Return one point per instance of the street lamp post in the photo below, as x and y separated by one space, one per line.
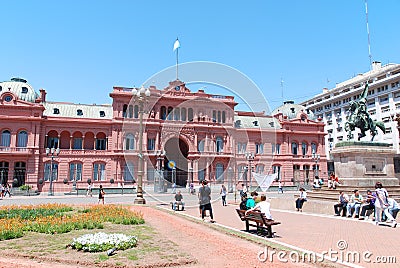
140 96
191 174
160 178
250 158
52 153
316 158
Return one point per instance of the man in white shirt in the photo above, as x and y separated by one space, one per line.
264 207
355 202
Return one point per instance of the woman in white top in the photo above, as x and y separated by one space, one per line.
223 195
264 207
302 198
382 204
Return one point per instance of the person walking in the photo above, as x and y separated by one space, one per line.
101 195
280 187
89 190
7 190
205 200
223 195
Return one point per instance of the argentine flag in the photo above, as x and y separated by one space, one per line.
176 44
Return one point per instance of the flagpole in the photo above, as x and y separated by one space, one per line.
176 47
177 63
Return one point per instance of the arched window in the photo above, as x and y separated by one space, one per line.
259 148
50 173
169 116
219 116
201 174
124 109
241 173
219 144
313 148
219 172
101 141
294 148
22 139
183 114
223 117
5 138
75 171
277 169
136 111
130 111
304 148
200 146
214 116
190 115
177 114
163 113
260 169
99 172
278 148
52 142
128 172
129 142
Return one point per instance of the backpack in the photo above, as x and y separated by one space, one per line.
242 204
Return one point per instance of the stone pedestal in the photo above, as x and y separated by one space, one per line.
364 163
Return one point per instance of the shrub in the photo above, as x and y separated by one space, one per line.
25 187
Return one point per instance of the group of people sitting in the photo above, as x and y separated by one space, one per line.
261 204
377 203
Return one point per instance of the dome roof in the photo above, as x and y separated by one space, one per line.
291 110
20 88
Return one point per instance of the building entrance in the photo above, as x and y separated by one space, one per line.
176 152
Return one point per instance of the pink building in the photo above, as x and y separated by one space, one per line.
190 135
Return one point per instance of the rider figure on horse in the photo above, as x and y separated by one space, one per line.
360 118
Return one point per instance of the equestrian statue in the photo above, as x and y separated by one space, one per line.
360 118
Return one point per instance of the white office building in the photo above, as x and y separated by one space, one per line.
383 100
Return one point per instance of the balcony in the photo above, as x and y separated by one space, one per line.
83 152
16 150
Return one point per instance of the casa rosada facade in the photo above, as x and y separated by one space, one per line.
190 136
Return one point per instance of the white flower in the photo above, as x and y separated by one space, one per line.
102 241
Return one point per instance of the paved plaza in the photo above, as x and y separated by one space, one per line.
305 231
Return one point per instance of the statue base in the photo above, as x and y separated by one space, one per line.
360 163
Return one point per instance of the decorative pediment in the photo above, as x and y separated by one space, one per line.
177 87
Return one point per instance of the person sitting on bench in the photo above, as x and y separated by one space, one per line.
178 201
264 207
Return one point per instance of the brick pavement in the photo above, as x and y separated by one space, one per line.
320 233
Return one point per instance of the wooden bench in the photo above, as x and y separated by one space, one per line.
264 225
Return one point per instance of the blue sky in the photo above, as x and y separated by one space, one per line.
79 50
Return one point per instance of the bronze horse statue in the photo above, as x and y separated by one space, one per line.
360 118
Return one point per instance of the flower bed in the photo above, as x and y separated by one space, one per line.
102 242
56 218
